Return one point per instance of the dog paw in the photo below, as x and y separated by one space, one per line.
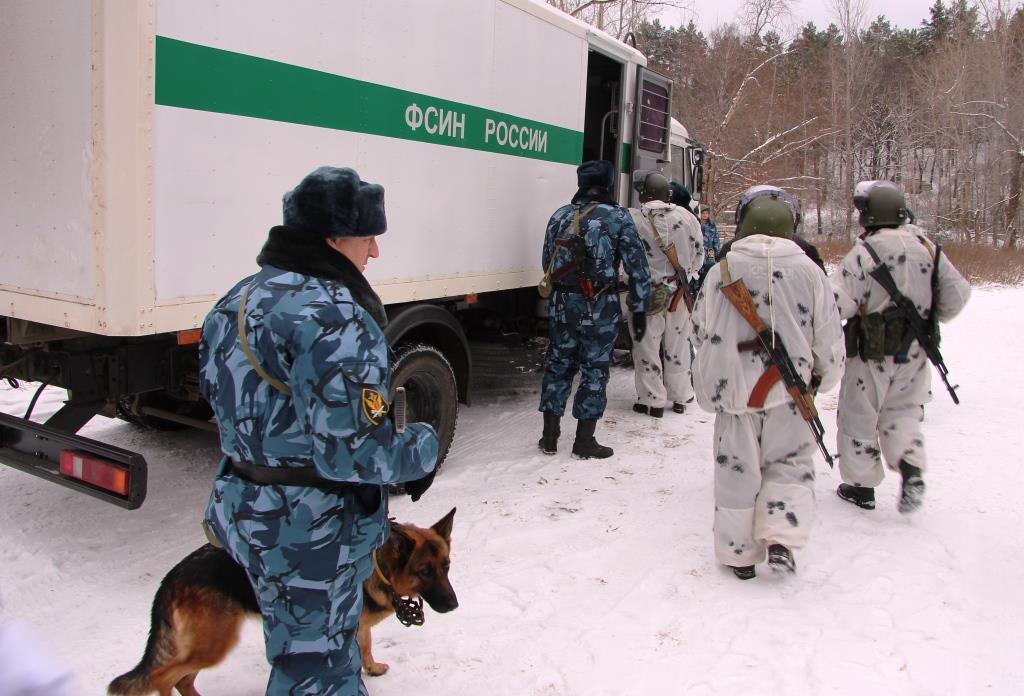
376 669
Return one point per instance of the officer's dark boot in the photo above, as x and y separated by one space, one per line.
586 446
912 489
548 442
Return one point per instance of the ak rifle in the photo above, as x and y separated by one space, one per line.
780 365
926 331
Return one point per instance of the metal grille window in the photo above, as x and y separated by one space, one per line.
654 105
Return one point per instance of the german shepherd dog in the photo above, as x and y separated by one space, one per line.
199 607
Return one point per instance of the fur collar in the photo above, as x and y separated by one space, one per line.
595 194
294 249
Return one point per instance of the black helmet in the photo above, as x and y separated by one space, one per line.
767 210
680 194
651 185
881 204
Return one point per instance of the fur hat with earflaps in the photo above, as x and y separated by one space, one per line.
595 173
334 202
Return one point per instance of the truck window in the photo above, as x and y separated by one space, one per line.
654 105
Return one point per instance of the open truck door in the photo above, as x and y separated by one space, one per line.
653 120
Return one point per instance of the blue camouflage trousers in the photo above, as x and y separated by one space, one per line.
583 347
307 578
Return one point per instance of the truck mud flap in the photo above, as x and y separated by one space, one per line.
38 450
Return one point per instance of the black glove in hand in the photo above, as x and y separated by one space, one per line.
639 326
418 487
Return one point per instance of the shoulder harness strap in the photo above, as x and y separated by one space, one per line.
726 276
243 339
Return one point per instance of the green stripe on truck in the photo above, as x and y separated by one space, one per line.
192 76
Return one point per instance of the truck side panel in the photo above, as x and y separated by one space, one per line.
45 187
461 218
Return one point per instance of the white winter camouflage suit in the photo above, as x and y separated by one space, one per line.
764 457
660 382
881 403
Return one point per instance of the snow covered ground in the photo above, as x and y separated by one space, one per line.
597 577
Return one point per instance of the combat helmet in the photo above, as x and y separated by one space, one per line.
767 210
651 185
881 204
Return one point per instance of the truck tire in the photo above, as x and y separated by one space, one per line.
430 390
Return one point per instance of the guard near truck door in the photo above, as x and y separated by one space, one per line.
585 243
888 379
295 365
675 252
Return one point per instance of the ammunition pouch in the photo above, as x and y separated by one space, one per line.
661 297
878 335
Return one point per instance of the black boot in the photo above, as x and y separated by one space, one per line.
780 559
548 442
744 572
652 411
861 496
586 446
912 489
681 407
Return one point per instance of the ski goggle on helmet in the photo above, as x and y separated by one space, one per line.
755 192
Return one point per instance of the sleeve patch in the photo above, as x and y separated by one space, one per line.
374 405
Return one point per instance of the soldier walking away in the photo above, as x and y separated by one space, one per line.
585 244
763 450
888 380
675 252
295 364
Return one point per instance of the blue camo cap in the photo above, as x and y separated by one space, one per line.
595 173
335 202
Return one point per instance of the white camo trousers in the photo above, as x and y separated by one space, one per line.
881 406
764 483
660 382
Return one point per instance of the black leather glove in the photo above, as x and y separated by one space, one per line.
639 326
418 487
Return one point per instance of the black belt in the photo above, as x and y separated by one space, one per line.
365 496
568 288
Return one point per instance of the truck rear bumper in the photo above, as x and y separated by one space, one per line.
36 449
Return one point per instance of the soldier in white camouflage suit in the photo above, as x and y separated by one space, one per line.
888 377
295 365
763 449
661 359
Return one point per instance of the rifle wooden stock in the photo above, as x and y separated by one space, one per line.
739 296
681 294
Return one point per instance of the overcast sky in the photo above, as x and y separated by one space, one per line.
711 13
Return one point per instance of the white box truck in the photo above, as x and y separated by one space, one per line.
146 147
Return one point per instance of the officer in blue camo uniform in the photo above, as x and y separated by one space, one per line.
295 364
585 243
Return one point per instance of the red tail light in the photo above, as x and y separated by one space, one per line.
95 470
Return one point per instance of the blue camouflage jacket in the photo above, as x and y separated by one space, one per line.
610 239
311 335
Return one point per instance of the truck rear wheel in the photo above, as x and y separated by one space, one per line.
430 390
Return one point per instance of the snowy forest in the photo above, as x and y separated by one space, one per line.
937 108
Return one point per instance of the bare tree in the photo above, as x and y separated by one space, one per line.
617 17
757 15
